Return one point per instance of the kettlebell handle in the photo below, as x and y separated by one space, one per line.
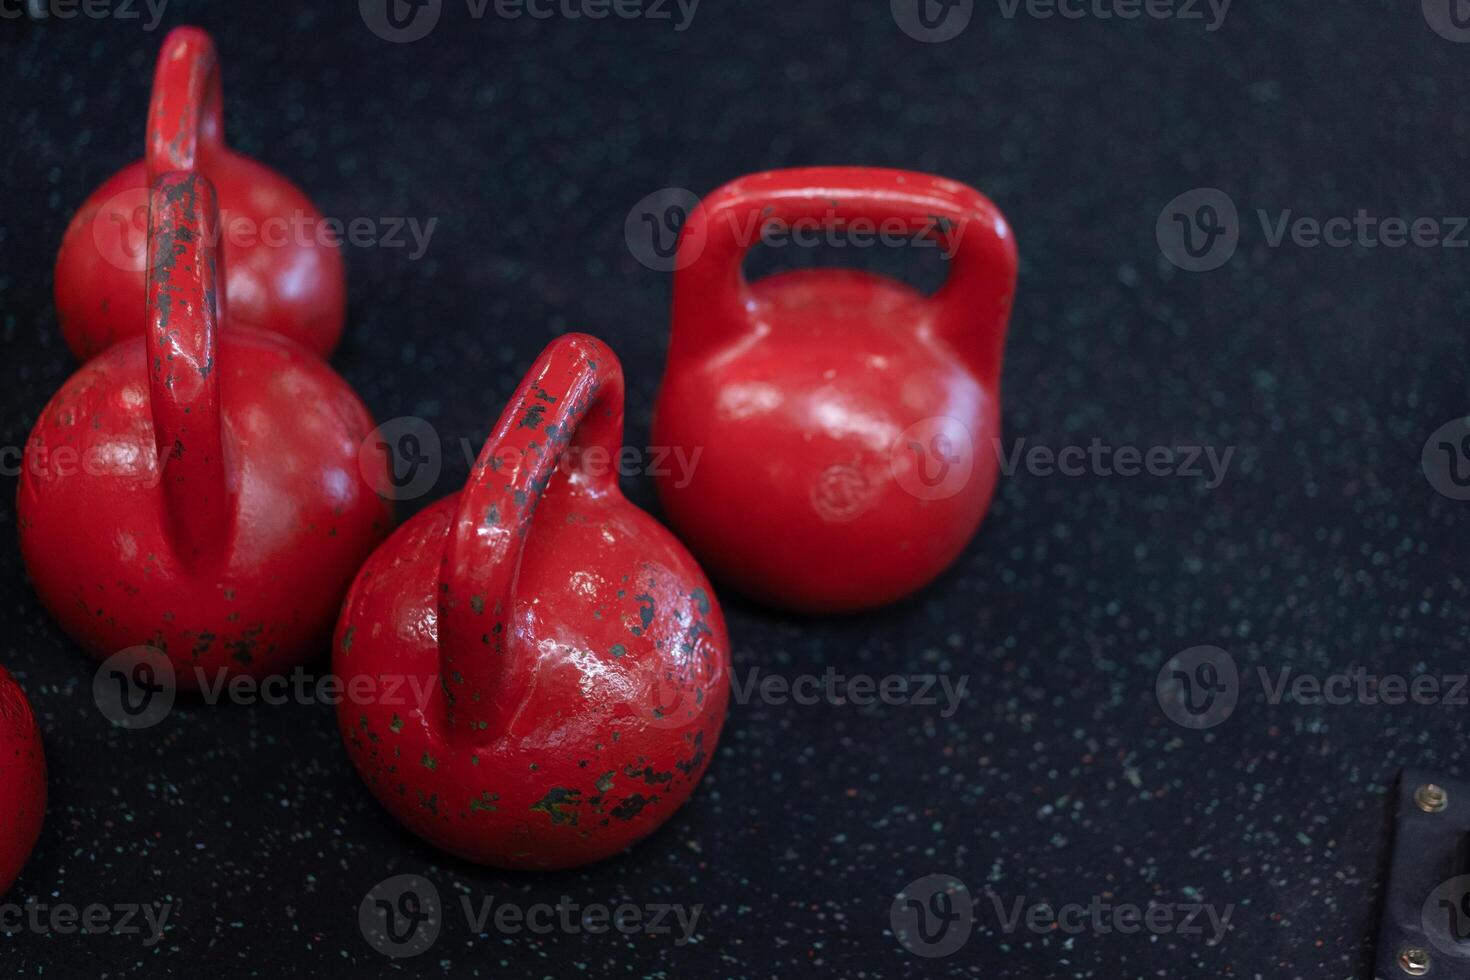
183 374
185 112
572 398
713 300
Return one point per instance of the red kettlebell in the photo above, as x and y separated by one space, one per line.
198 491
22 780
535 694
283 267
843 421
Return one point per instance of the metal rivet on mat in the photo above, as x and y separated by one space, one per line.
1431 798
1414 960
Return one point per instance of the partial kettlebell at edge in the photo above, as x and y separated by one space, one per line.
283 270
197 490
844 420
559 660
22 780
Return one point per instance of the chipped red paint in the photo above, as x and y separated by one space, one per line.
198 491
278 279
574 670
844 421
22 780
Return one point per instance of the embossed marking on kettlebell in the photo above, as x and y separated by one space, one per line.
842 492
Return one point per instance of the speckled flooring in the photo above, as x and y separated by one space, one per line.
1059 778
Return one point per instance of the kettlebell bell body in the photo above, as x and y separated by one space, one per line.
561 681
22 780
843 421
195 490
283 270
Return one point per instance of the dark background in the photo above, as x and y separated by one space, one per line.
1059 778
